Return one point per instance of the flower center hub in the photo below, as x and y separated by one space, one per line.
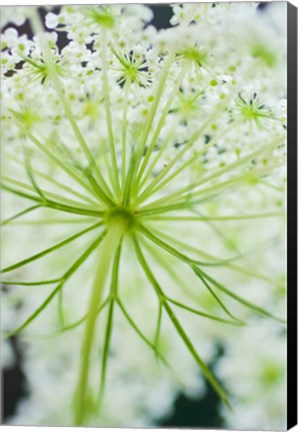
121 216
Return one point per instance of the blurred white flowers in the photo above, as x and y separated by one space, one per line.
143 226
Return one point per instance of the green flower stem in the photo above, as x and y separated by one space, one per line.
215 296
36 312
44 193
53 181
107 104
179 155
55 221
240 299
204 314
106 254
178 254
109 325
205 179
206 255
161 122
157 181
28 283
59 287
159 153
143 139
98 190
158 326
81 320
151 345
204 277
155 103
196 135
216 218
56 159
60 308
271 186
171 271
64 187
37 27
138 331
53 204
124 130
236 320
188 202
71 209
80 138
23 212
50 249
32 179
148 212
208 374
129 178
237 181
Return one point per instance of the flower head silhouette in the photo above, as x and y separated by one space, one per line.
148 169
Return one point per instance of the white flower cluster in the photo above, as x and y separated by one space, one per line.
143 222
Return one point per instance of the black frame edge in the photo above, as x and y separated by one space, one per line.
292 215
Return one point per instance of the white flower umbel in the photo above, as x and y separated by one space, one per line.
143 223
254 372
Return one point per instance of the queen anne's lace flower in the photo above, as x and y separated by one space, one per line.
153 165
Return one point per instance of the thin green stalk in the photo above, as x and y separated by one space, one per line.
129 178
60 308
233 182
55 221
70 209
215 296
60 285
147 128
175 252
158 326
271 186
157 181
23 212
45 194
161 122
53 181
142 336
206 371
106 254
147 192
109 325
107 104
37 26
204 276
159 153
124 130
204 314
229 263
32 179
51 155
216 218
240 299
148 212
155 103
81 320
36 312
228 244
192 265
53 204
50 249
100 193
33 283
205 179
